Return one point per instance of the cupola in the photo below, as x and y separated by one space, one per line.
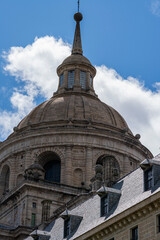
76 73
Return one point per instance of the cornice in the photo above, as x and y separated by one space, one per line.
121 220
113 135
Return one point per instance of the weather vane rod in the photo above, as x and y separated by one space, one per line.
78 5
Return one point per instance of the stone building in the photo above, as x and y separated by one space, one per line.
129 210
50 157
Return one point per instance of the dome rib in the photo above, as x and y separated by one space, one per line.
87 110
45 109
75 107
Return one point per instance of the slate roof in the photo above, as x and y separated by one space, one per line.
132 193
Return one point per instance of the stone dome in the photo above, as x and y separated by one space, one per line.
52 154
76 59
74 108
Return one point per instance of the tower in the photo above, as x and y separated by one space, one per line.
51 155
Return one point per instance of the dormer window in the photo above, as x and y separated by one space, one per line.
109 198
71 222
61 80
148 179
104 205
83 79
67 227
70 79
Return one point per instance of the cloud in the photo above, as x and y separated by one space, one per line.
36 64
138 105
155 7
35 67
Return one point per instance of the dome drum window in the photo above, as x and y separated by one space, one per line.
52 166
52 171
83 77
111 169
71 79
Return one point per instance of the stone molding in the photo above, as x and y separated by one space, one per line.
123 219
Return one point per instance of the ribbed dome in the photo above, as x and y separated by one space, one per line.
76 59
74 107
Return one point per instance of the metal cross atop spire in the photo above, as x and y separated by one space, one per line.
78 5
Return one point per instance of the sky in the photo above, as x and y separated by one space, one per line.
121 38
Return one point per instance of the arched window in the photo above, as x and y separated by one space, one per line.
111 169
4 180
52 166
70 79
52 171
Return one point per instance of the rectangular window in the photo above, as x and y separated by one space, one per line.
134 233
34 205
70 79
67 227
61 80
158 224
148 179
104 205
83 79
33 220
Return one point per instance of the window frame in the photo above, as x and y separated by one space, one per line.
33 220
34 205
83 79
53 170
71 80
148 179
91 80
61 79
134 235
104 205
158 223
67 227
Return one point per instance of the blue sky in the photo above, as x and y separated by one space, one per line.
122 35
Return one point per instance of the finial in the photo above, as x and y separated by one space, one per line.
78 17
77 45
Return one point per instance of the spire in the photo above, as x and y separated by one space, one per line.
77 45
76 73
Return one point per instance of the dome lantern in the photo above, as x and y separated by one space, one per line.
76 73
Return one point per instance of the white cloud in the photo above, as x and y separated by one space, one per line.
139 106
35 65
155 7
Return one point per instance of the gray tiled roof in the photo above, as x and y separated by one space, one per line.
132 193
